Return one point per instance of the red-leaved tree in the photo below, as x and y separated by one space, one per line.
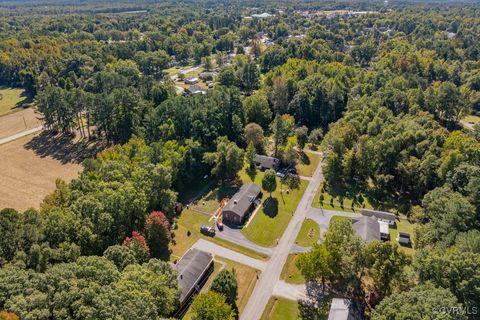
157 230
138 245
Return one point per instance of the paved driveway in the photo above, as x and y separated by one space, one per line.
217 250
235 236
290 291
323 216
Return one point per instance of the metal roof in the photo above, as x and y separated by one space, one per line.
190 269
242 200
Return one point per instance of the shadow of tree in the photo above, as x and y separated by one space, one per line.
252 173
304 158
63 148
270 207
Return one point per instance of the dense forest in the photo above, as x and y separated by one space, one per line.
382 93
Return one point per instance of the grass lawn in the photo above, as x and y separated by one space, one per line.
281 309
246 280
402 225
472 119
273 217
333 203
340 218
11 98
191 221
308 163
309 233
290 272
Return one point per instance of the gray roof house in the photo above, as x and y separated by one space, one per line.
380 215
266 162
193 270
242 204
343 309
366 228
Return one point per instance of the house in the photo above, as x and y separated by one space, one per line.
366 228
262 15
343 309
193 269
404 238
191 80
242 203
266 162
194 90
380 216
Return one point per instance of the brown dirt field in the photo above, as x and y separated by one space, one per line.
29 167
14 122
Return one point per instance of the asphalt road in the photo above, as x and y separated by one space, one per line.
271 275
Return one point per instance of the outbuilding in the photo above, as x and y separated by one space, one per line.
242 203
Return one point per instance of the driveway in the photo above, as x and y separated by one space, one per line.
323 216
217 250
271 275
290 291
235 236
20 135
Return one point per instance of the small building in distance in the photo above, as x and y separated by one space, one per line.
266 162
192 80
193 269
380 216
366 228
262 15
194 90
241 204
343 309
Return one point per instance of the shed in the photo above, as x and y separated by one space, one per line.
193 270
242 203
191 80
380 216
194 90
343 309
266 162
366 228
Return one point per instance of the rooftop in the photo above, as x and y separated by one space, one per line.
379 214
190 269
366 228
241 201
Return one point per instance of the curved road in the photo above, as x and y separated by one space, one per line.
271 274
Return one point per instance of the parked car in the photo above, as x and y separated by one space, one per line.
281 174
220 225
208 231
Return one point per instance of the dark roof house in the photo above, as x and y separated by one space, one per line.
193 270
242 204
366 228
380 215
266 162
194 90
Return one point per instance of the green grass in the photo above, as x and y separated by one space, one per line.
402 225
281 309
192 221
12 98
308 163
290 272
273 217
472 119
340 218
246 280
309 233
336 204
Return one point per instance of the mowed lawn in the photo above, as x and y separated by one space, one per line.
309 233
290 272
11 98
281 309
27 177
269 223
326 201
187 232
246 280
308 163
